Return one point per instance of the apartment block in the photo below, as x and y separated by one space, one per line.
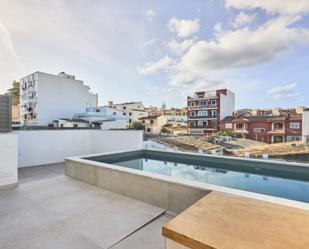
267 129
207 108
45 97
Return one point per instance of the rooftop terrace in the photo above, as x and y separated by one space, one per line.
49 210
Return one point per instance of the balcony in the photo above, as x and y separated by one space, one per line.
202 117
202 107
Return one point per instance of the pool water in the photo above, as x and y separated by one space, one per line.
254 180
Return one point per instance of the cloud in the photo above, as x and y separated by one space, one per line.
149 42
183 28
245 47
290 7
153 67
150 14
6 41
242 19
180 47
288 91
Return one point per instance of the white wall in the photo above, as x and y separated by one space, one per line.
227 104
305 125
115 124
38 147
113 140
8 159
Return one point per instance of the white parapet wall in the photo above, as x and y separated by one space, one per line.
37 147
305 126
8 160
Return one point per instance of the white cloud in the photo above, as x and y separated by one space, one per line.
149 42
271 6
242 19
180 47
283 92
245 47
153 67
150 14
6 41
183 28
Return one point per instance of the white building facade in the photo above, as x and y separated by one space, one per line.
45 97
305 125
133 111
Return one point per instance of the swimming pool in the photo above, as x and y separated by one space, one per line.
278 179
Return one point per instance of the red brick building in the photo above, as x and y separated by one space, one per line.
267 129
207 108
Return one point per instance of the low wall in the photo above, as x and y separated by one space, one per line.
36 147
166 194
8 160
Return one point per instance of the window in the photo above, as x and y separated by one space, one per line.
213 113
124 107
148 130
97 110
293 138
259 130
130 113
192 114
143 121
192 104
130 120
124 114
200 123
213 102
295 125
114 113
151 121
240 126
202 113
228 126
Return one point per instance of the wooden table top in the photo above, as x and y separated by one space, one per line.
224 221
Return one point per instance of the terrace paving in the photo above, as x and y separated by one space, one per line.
59 212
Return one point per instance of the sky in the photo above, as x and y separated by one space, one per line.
163 50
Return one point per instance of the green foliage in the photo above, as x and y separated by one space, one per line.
164 130
138 126
14 92
223 133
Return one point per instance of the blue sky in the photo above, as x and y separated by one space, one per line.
157 51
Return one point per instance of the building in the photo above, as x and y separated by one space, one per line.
305 126
5 113
132 110
206 109
45 97
15 113
153 124
267 129
103 116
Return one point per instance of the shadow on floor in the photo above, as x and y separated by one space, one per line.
35 173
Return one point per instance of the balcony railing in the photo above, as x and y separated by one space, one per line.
205 117
202 107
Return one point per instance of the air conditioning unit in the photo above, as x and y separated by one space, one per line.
5 113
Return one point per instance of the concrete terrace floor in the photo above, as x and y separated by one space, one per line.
49 210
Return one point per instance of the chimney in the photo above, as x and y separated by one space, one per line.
110 103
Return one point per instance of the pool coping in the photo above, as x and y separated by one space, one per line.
195 184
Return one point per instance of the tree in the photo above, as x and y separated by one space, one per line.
164 130
14 92
138 126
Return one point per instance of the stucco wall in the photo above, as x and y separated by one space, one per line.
8 159
38 147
